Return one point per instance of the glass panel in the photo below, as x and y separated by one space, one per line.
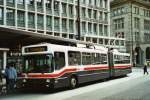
31 5
40 22
49 23
74 58
20 4
59 60
1 16
10 17
31 20
10 3
38 64
21 18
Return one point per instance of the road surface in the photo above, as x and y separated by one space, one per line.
135 86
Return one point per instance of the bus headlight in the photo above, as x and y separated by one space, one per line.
24 80
48 80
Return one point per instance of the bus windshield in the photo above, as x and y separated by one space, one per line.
38 64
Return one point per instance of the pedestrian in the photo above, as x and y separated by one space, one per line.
11 76
145 69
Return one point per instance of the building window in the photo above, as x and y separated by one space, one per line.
84 27
40 22
136 10
1 16
21 2
101 30
137 36
74 58
147 25
56 24
95 29
31 20
89 28
10 1
59 60
10 17
49 4
21 18
31 5
101 3
70 10
118 23
95 14
56 5
30 2
64 9
49 23
64 25
105 3
106 30
105 17
100 16
83 13
136 23
89 13
71 26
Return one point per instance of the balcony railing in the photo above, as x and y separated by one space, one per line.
71 1
31 7
31 25
40 9
1 22
20 6
40 26
21 24
71 30
71 15
10 22
64 14
49 28
1 2
56 12
64 29
10 4
64 0
48 11
56 28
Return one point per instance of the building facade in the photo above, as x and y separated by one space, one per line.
58 18
130 19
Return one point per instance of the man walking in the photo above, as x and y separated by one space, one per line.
145 69
11 76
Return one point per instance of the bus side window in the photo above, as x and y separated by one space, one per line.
74 58
59 60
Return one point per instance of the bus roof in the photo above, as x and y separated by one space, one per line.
60 48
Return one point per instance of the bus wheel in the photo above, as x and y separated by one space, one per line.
73 82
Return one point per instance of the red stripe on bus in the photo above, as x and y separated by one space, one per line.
71 70
96 68
122 67
52 75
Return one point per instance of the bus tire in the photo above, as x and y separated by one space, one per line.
73 82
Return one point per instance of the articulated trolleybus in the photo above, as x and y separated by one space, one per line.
54 66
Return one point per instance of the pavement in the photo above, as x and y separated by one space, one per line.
135 86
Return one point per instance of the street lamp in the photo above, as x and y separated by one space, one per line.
78 20
132 49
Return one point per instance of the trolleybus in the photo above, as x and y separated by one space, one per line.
56 66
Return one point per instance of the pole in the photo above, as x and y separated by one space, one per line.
78 20
132 51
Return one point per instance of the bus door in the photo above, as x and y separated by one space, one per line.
111 64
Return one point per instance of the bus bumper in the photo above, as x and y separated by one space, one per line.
34 83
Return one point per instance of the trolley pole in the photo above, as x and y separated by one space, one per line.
78 20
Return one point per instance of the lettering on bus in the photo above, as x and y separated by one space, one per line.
36 49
